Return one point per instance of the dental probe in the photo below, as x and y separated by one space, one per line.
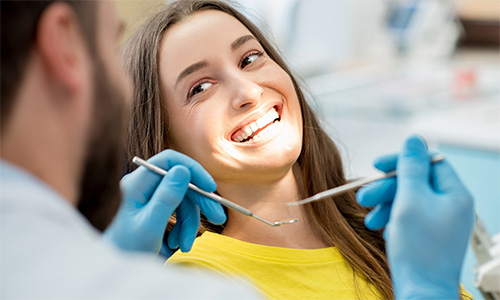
141 162
352 185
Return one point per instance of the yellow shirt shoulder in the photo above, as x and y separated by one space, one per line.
280 273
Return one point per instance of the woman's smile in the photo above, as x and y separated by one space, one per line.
250 132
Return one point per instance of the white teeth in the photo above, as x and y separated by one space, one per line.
259 135
262 121
254 127
275 114
248 130
242 136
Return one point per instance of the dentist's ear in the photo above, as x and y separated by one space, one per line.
61 47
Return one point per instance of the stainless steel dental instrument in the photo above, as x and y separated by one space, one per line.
352 185
141 162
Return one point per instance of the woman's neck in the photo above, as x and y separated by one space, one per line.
268 201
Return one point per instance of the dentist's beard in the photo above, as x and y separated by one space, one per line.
100 195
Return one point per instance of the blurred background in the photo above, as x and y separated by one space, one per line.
379 70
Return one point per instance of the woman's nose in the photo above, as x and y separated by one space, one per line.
247 93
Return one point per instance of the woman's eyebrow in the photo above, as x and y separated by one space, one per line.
202 64
240 41
191 69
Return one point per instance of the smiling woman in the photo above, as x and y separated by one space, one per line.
209 84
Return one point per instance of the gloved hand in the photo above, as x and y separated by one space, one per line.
428 215
150 199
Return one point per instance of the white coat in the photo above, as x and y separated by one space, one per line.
48 250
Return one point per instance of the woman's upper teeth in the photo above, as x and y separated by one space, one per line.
250 129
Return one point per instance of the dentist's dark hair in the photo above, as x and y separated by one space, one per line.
19 22
339 220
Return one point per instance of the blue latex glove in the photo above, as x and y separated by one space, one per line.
428 215
150 199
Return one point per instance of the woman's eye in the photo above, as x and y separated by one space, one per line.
199 88
250 59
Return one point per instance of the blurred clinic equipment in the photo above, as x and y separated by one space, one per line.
487 252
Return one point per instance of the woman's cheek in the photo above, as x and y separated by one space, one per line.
201 128
281 81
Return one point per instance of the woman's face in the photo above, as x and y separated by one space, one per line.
230 106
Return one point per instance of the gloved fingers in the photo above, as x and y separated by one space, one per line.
165 251
379 216
444 178
212 210
378 192
386 163
139 185
413 164
173 236
385 233
167 197
446 182
189 216
169 158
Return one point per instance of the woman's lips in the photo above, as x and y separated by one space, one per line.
247 132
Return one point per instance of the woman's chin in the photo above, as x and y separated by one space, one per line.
259 170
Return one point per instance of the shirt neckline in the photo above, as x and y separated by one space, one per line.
273 253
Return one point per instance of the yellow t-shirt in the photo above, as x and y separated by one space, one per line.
280 273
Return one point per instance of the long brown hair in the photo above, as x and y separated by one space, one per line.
340 220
